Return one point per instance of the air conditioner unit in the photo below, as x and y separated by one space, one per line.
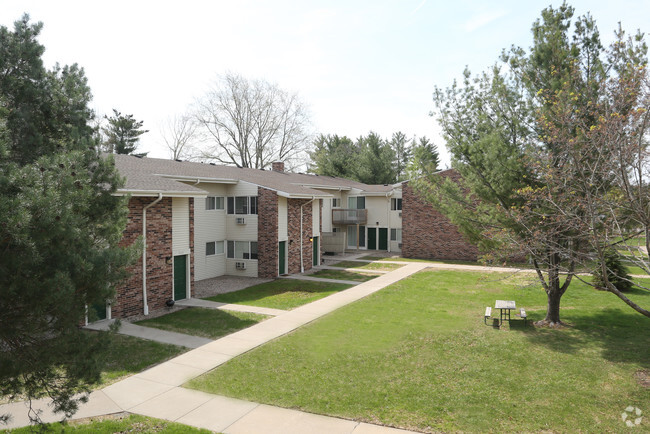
240 265
400 213
241 221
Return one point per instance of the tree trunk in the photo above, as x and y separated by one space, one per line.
553 308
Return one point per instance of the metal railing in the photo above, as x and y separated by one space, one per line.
349 216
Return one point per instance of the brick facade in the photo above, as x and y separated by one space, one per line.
293 256
428 234
129 300
267 233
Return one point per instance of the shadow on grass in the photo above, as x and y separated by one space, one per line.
208 323
620 336
281 293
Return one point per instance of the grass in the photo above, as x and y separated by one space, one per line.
367 266
281 293
344 275
207 323
417 355
129 355
124 424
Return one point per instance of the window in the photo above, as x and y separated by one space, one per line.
242 249
396 235
213 202
336 203
396 204
214 248
335 229
356 202
242 205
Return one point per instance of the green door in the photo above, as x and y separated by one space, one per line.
383 238
99 311
316 251
372 238
282 253
180 277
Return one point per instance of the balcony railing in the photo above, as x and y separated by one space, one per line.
349 216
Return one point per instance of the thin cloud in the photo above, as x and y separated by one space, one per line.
419 6
483 19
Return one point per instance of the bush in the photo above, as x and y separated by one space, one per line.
617 272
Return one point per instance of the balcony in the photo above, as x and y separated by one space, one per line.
349 216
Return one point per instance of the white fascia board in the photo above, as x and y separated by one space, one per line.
325 187
378 193
136 193
302 196
199 179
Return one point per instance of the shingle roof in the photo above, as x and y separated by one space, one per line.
149 175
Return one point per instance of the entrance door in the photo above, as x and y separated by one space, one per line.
282 258
383 238
180 277
99 310
316 251
372 238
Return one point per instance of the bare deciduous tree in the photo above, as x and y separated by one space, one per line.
179 134
251 123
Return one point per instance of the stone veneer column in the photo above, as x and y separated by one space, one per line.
267 233
426 233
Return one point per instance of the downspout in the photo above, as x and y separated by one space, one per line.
388 195
302 266
144 252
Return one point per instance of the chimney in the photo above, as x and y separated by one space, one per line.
277 166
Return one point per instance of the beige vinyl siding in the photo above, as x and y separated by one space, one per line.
283 219
241 232
209 225
327 214
180 226
395 220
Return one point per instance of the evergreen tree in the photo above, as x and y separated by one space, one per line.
375 160
60 225
334 156
424 158
123 134
402 152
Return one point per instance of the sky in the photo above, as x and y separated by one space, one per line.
358 65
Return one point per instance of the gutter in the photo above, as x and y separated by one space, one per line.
144 252
302 265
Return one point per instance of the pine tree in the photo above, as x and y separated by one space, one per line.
123 134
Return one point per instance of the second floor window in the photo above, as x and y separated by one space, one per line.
396 204
242 205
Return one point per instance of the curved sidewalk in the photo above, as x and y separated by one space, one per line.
156 392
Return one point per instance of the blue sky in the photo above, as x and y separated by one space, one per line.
358 65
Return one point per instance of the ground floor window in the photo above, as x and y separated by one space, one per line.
242 249
214 248
396 235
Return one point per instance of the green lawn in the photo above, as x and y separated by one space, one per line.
132 423
417 355
129 355
207 323
344 275
281 293
367 266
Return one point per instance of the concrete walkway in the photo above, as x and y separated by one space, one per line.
152 334
156 392
352 270
319 279
207 304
